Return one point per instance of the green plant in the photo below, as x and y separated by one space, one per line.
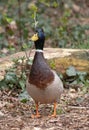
60 111
69 34
15 76
52 64
58 25
74 77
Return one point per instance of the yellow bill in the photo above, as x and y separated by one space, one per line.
35 37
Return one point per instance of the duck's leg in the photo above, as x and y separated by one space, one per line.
54 113
37 113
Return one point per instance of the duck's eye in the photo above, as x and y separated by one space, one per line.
35 37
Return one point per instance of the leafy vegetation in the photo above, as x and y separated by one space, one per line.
16 28
56 17
15 77
76 78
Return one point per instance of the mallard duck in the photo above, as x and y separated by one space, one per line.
43 83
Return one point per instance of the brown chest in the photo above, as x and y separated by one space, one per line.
41 74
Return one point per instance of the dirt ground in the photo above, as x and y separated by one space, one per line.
72 113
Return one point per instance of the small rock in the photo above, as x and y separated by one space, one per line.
15 129
1 114
53 121
31 128
72 90
37 128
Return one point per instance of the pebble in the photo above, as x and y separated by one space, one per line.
1 114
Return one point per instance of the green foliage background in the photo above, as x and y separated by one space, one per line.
61 23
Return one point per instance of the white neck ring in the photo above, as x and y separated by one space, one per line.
38 50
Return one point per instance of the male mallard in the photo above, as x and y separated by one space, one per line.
43 84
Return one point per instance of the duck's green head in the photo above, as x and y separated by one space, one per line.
39 39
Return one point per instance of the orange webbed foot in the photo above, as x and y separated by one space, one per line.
36 116
54 113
